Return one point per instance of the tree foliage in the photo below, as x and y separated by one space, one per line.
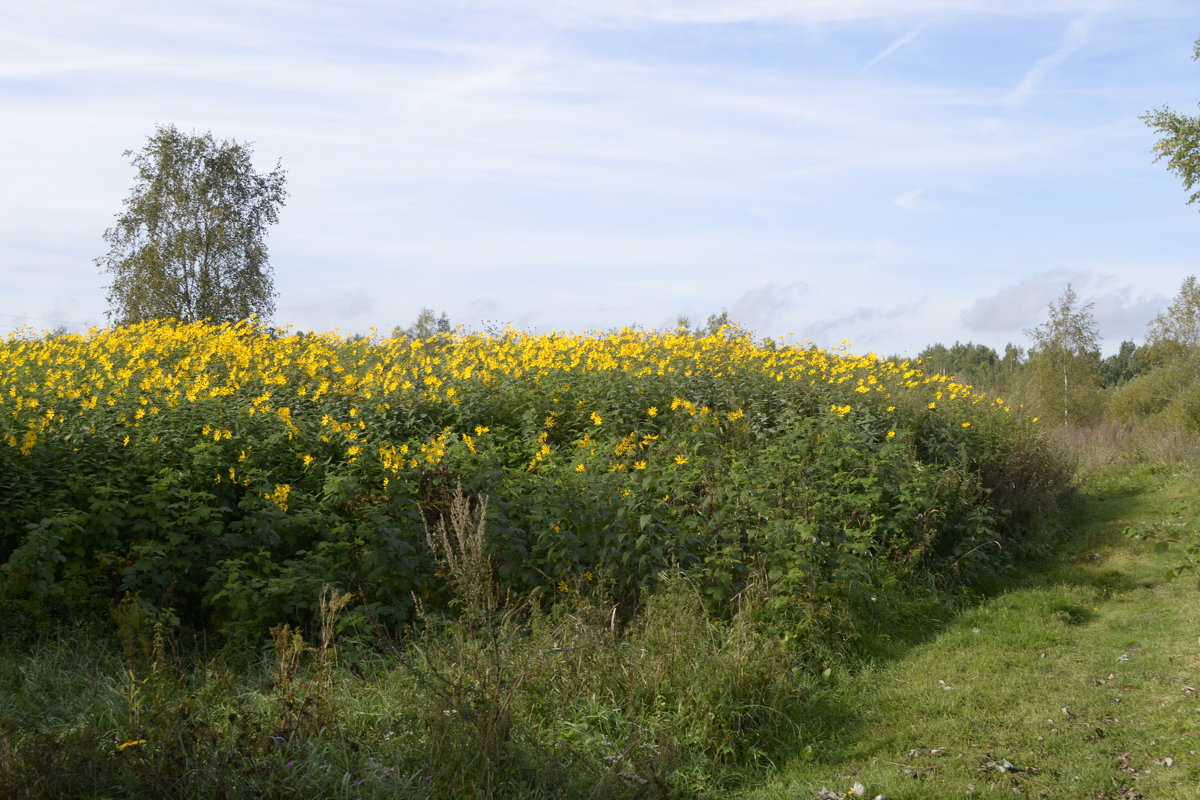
970 362
1179 142
1122 366
1164 391
427 324
1065 358
1178 327
714 325
190 243
1168 386
976 364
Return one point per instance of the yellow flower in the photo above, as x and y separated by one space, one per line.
652 410
580 467
966 424
279 496
680 460
596 418
890 434
933 405
639 465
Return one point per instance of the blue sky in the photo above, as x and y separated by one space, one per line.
888 172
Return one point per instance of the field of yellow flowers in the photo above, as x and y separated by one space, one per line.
226 472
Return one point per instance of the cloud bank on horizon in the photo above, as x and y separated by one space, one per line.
888 172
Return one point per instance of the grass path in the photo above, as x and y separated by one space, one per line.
1083 682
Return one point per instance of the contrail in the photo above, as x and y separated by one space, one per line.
896 45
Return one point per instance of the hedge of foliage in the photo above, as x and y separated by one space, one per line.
225 473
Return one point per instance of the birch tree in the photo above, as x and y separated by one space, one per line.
1065 357
190 242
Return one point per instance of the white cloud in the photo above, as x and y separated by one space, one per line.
1019 305
1124 313
1121 311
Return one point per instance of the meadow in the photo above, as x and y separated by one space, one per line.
242 561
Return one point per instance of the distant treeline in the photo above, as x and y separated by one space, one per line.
1064 376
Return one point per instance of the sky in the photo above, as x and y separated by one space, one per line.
887 173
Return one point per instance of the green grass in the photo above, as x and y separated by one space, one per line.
1084 677
558 705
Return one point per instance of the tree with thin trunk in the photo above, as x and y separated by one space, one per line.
190 243
1065 357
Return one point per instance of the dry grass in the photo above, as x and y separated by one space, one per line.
460 545
1113 443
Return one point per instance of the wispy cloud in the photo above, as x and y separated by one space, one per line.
1075 37
761 308
908 200
586 163
811 12
875 326
895 45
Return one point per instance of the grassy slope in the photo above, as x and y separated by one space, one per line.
1085 678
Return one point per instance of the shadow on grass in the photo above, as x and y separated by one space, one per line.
1090 524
